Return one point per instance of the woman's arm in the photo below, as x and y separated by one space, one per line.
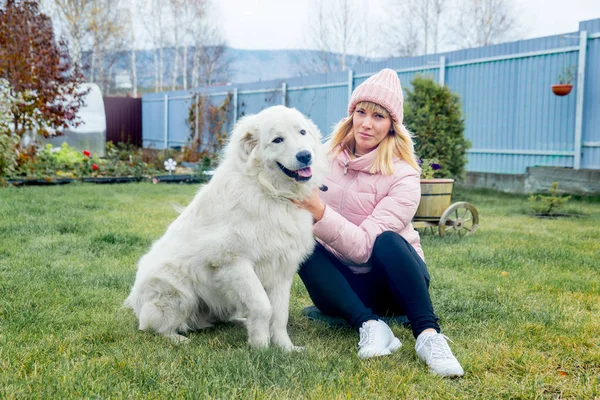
392 213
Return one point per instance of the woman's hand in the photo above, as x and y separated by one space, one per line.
313 204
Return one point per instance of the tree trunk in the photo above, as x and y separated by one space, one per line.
184 66
133 73
195 66
156 82
175 66
93 65
160 67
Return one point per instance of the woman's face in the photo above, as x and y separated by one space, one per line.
370 128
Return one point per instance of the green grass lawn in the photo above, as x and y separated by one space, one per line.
520 299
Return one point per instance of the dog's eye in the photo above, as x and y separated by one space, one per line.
303 132
278 140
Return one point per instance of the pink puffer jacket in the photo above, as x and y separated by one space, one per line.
361 205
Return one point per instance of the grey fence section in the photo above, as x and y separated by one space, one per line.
513 120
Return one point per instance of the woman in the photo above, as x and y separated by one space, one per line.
368 260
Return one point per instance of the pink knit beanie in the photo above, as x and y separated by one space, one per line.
382 88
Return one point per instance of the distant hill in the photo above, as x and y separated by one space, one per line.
262 65
245 66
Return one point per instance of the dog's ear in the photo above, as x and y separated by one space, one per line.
246 134
248 142
315 129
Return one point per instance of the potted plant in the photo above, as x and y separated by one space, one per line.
436 193
564 85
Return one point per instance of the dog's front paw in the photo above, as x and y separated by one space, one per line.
288 346
297 349
258 343
177 339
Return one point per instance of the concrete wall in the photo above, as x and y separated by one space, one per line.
538 180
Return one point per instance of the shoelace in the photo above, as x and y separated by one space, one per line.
438 346
365 336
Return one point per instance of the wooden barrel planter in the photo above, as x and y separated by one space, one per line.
436 195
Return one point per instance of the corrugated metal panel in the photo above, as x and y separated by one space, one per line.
591 158
324 106
508 105
179 132
591 112
512 118
153 112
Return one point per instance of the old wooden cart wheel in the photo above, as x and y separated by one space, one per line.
460 219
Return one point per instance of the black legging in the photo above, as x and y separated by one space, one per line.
396 285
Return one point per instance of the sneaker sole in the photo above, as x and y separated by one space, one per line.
395 345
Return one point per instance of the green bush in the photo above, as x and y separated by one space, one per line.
49 162
64 161
8 154
548 205
433 113
124 159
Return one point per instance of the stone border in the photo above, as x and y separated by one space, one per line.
106 180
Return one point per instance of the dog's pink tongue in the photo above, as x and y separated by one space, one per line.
305 172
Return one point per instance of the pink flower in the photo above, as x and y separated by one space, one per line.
86 153
95 167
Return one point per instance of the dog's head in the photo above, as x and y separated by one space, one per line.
282 148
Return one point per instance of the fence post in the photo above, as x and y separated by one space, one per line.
442 79
235 105
583 37
350 84
166 127
284 93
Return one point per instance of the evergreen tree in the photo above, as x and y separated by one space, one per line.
433 113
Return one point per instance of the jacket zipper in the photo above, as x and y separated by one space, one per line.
345 191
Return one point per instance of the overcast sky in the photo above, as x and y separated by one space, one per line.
282 24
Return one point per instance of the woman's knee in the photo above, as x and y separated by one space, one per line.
389 241
314 262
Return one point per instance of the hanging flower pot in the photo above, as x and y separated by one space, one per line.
564 85
562 89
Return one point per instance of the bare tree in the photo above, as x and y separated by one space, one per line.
196 14
485 22
213 63
177 10
336 31
209 59
415 26
107 24
73 14
96 26
132 21
156 28
189 17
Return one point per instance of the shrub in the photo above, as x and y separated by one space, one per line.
548 205
433 113
122 160
8 155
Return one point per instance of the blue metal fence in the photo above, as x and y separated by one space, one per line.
512 118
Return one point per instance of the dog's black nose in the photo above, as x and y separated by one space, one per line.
304 157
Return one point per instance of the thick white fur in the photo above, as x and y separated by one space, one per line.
235 249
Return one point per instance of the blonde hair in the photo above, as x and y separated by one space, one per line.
398 143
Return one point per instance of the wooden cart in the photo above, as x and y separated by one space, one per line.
436 213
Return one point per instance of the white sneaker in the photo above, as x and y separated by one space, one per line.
433 348
376 339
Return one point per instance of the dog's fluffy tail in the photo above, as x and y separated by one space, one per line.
178 208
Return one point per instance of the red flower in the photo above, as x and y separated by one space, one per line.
86 153
95 167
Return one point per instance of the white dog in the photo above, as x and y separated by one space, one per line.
236 248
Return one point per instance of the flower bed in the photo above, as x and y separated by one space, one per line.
124 163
